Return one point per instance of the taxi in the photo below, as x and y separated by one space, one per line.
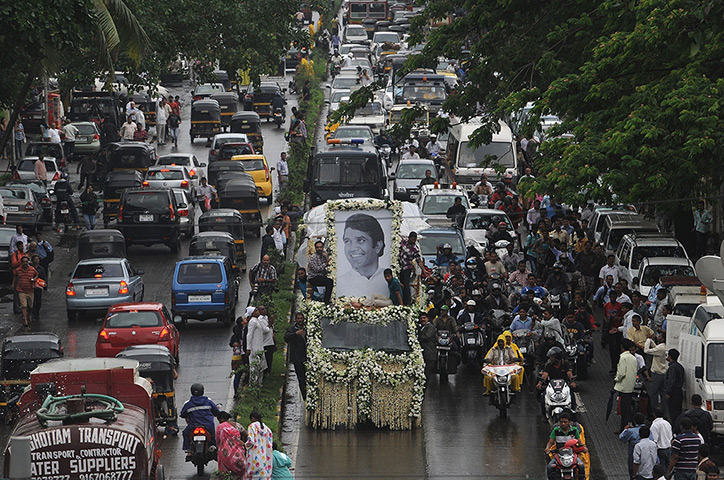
258 168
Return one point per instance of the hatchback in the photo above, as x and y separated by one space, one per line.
171 176
26 170
48 149
188 160
148 216
408 176
205 90
128 324
204 287
355 34
88 140
99 283
22 207
258 168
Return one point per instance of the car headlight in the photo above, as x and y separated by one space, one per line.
400 189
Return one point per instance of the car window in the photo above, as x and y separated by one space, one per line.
173 160
408 171
14 193
228 151
251 165
164 175
5 237
152 201
438 204
190 273
98 270
86 129
482 221
224 140
639 253
430 243
654 272
134 319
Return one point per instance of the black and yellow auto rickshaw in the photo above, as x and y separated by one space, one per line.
20 355
128 156
215 168
222 77
101 243
242 195
205 119
215 243
157 365
114 185
229 104
223 177
230 221
250 124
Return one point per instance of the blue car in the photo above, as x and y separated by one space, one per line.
204 287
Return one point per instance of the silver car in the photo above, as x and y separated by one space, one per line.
26 170
88 140
186 210
22 207
196 169
170 176
99 283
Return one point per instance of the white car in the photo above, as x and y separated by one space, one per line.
196 169
355 34
382 37
336 98
26 170
479 221
653 268
171 176
372 115
434 203
222 138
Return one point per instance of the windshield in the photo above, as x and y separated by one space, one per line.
351 132
422 93
352 336
653 272
164 175
438 204
18 194
430 241
344 82
409 171
482 221
396 117
29 165
174 160
151 201
382 37
209 88
218 142
495 153
98 270
685 309
369 109
338 96
47 149
251 165
230 150
86 128
346 171
715 362
134 319
639 253
123 158
189 273
5 236
356 30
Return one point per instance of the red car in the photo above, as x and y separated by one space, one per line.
142 323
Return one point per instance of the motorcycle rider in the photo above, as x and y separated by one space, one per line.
538 292
433 146
278 102
584 456
64 192
469 314
501 233
337 60
383 138
500 354
557 284
560 435
198 411
498 195
577 332
556 368
445 256
496 299
551 324
549 341
446 322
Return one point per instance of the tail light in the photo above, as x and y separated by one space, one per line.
96 136
29 206
164 334
56 177
70 290
123 288
183 212
200 431
45 201
184 184
192 173
120 214
266 170
145 184
198 97
103 336
171 213
212 151
16 175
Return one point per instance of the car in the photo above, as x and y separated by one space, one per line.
26 170
41 192
231 149
204 287
205 90
653 268
407 177
478 222
336 98
22 207
187 160
186 210
434 202
355 34
171 176
346 48
141 323
48 149
634 247
598 221
386 37
6 234
343 82
222 138
88 140
372 115
293 57
99 283
258 168
354 131
148 216
432 239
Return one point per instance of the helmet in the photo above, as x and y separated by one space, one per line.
500 185
555 352
432 135
537 301
446 245
502 224
496 286
508 177
197 389
476 293
471 262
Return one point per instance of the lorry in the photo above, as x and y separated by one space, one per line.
85 419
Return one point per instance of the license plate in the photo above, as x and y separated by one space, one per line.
10 208
145 218
85 140
96 292
523 350
65 211
199 298
199 439
471 341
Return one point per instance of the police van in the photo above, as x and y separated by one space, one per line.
346 168
427 89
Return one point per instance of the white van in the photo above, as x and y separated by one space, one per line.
468 165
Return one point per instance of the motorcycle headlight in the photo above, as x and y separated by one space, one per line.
523 350
567 460
501 379
558 397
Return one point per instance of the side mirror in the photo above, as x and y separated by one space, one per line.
327 102
699 372
329 86
140 271
202 164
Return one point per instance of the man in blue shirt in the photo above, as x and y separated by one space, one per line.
538 292
631 436
522 321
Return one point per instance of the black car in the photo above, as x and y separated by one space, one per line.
148 216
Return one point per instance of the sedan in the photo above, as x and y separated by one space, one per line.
408 176
186 210
188 160
99 283
355 131
481 222
128 324
88 140
26 170
22 207
170 176
41 192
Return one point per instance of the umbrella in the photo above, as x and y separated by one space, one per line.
609 406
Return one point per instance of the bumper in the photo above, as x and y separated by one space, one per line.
109 350
407 195
150 234
21 218
203 311
265 189
87 148
100 303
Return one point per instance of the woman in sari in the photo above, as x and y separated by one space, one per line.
230 439
259 446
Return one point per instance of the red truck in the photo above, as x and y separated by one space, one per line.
85 419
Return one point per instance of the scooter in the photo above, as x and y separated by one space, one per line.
202 450
501 248
279 117
444 355
501 376
557 397
473 343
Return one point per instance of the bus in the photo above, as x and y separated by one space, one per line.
359 10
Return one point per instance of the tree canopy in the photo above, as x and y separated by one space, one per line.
638 84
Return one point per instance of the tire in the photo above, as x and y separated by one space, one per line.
442 369
200 469
192 141
176 246
270 198
503 410
72 315
160 474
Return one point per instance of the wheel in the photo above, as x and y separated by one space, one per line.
176 246
503 408
72 314
192 139
200 469
442 369
160 474
270 198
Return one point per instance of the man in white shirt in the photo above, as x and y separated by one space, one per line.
282 170
53 135
140 118
433 146
661 434
256 330
411 153
70 131
268 337
659 365
609 269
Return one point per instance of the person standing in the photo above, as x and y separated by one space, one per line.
700 417
89 207
702 227
87 169
317 275
20 138
54 135
625 380
644 455
230 442
282 170
630 435
260 448
3 129
140 119
39 286
109 132
658 370
70 131
255 348
18 237
281 465
128 130
674 384
296 338
394 286
174 121
41 172
684 453
409 256
428 341
162 112
23 282
205 193
269 341
661 434
44 251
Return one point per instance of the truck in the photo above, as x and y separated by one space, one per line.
85 419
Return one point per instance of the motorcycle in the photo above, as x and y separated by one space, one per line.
557 397
445 360
578 356
65 219
386 154
501 248
501 376
526 342
202 449
566 463
293 87
279 117
555 300
473 343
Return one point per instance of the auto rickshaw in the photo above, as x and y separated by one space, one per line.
242 195
115 183
214 168
250 124
102 243
128 156
230 221
223 177
205 119
20 355
222 77
229 104
157 365
215 243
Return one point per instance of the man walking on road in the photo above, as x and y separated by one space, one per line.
674 384
699 416
625 380
23 280
684 453
661 434
644 455
282 170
